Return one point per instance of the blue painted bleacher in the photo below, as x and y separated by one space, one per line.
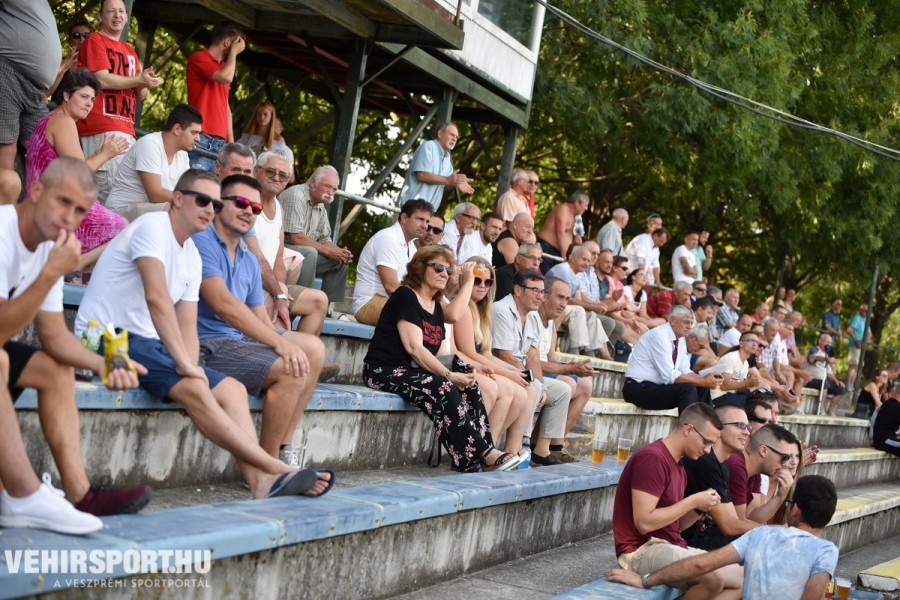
238 528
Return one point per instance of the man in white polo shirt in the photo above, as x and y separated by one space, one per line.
382 263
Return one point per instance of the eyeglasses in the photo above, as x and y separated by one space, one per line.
472 217
623 267
762 420
741 425
535 290
706 442
751 342
434 230
80 35
699 289
534 259
533 181
440 268
785 457
276 174
485 282
203 200
242 203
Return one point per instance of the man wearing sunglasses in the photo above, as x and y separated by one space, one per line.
308 231
147 281
714 529
770 450
434 233
273 171
650 501
146 177
236 334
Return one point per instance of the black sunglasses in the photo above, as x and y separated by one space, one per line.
439 268
486 282
203 200
783 456
434 230
242 203
756 419
78 35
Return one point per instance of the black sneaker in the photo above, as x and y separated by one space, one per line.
100 501
544 461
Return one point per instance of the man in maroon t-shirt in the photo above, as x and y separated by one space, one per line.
771 450
210 72
650 509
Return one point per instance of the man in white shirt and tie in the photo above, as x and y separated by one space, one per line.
659 375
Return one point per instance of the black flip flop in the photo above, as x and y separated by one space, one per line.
330 483
293 483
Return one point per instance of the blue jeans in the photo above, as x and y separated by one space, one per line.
207 143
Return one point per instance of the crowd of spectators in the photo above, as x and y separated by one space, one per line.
213 259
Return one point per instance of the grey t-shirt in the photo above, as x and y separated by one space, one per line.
30 40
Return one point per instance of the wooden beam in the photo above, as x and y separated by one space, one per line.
426 17
343 16
232 9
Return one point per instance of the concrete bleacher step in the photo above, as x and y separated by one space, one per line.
855 466
134 438
884 577
358 541
610 379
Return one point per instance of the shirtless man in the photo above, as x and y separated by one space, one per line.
556 236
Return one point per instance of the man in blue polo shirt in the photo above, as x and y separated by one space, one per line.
237 337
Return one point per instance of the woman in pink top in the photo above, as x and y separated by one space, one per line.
56 135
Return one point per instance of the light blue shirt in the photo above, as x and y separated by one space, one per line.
242 278
858 325
778 561
430 157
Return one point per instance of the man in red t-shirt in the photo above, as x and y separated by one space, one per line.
772 451
116 65
650 509
210 72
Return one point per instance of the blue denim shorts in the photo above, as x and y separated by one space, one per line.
161 375
209 143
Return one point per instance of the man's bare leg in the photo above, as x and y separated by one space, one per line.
315 353
16 473
312 305
58 413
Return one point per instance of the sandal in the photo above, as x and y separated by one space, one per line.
504 462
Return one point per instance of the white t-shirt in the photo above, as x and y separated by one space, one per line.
387 248
115 293
19 267
269 233
678 273
546 338
149 156
629 296
730 338
737 369
642 252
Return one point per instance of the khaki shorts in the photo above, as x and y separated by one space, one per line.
656 554
370 312
853 357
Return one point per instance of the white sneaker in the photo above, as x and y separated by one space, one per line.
288 456
47 508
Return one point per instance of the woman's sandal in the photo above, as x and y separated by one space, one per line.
504 462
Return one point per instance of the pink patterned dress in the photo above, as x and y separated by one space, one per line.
99 224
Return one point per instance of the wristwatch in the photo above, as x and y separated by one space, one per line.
281 297
644 581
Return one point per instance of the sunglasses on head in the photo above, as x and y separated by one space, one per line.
242 203
439 268
79 35
485 282
434 230
203 200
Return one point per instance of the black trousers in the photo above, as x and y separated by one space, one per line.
661 396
